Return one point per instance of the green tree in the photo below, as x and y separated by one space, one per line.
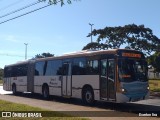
154 60
43 55
129 36
1 73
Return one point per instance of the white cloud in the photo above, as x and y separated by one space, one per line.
12 38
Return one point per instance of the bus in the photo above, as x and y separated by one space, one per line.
118 75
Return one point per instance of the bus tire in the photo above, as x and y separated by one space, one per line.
14 89
88 96
45 92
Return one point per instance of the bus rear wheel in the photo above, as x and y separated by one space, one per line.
14 89
88 96
45 92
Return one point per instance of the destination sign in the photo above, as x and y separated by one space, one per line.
134 55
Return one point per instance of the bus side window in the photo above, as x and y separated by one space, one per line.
53 67
7 72
58 67
79 66
39 69
111 69
93 67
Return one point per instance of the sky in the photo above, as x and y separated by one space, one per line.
59 30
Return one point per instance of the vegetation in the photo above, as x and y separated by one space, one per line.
43 55
9 106
154 60
1 82
1 73
129 36
154 85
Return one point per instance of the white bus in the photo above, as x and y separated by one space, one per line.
117 75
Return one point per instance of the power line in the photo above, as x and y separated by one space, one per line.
10 55
26 13
27 6
12 4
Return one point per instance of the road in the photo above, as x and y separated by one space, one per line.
113 111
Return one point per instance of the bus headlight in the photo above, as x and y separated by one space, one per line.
148 88
123 90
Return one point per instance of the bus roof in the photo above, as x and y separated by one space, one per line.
87 53
76 54
81 53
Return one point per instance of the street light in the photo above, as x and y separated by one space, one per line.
91 30
25 50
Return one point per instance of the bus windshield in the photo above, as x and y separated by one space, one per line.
132 70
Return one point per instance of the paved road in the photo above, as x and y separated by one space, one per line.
112 109
154 101
4 92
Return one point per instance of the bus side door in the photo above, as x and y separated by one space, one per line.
107 80
66 81
30 76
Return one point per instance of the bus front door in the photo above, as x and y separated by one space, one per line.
30 77
107 80
66 81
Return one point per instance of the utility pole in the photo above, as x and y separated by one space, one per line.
25 50
91 30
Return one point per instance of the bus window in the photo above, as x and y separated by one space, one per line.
79 66
39 69
54 68
92 67
111 70
50 68
21 70
7 72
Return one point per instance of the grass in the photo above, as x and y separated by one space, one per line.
154 85
14 107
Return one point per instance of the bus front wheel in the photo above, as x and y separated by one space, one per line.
88 96
45 92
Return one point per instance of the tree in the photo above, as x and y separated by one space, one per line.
1 73
43 55
57 1
154 60
129 36
95 45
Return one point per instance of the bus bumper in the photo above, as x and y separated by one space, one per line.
121 98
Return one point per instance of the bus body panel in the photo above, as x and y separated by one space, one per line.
7 84
21 83
79 81
53 82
